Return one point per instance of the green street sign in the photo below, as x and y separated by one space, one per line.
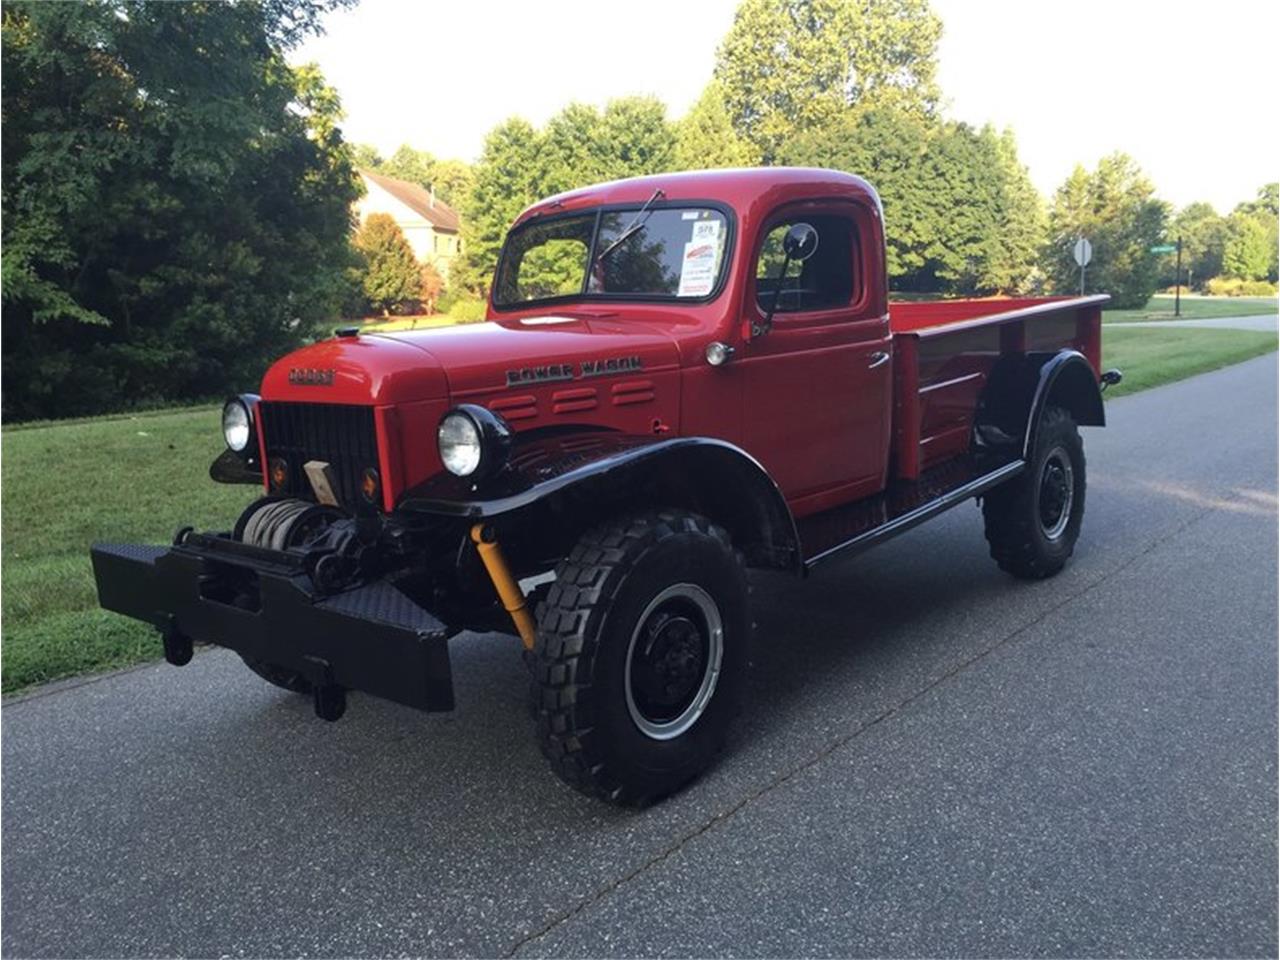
1164 248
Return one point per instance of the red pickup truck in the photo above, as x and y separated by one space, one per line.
681 377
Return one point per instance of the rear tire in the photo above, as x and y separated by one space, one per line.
641 655
1033 521
289 680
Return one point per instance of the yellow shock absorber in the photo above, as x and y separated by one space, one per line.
508 590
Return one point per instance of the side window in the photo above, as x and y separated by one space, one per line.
826 280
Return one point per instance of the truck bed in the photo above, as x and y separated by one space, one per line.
944 350
943 353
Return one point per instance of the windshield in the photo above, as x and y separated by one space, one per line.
674 252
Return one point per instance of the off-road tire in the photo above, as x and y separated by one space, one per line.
1014 527
289 680
585 636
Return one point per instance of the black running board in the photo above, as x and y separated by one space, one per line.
855 527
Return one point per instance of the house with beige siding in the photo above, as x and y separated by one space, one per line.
429 224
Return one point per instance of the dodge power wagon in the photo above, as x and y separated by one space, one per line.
680 377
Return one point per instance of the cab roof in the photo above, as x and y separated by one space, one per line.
738 188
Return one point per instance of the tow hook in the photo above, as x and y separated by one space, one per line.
330 698
178 647
331 701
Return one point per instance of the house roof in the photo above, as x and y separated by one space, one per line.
418 199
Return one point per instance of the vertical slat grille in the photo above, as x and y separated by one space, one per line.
339 434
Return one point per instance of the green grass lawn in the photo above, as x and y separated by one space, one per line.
1150 356
1160 307
66 485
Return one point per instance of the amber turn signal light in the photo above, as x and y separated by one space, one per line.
370 486
279 473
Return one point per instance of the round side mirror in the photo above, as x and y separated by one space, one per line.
800 242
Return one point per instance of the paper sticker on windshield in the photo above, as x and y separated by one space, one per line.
698 269
691 215
707 231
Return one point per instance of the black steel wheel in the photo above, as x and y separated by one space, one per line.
641 655
1033 521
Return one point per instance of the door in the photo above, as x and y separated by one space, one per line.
819 382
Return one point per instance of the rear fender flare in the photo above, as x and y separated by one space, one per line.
1067 380
1020 387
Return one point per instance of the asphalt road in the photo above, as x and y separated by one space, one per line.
936 760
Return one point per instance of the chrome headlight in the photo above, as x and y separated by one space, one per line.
238 426
473 441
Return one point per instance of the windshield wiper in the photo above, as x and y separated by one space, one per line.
636 223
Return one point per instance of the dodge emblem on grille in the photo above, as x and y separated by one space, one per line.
309 377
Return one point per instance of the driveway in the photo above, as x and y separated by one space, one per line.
935 759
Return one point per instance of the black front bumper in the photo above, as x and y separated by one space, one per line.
263 605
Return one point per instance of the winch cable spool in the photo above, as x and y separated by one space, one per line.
281 524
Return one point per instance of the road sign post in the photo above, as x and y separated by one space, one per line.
1083 252
1177 282
1177 272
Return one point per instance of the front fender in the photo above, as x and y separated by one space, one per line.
711 476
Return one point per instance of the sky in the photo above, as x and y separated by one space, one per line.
1188 89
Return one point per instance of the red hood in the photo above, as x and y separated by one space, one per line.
465 362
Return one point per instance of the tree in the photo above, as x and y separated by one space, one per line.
788 66
416 166
176 199
451 180
391 276
1014 264
431 286
705 138
1263 211
366 157
1204 237
1116 209
1247 254
633 138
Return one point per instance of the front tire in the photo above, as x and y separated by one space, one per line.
641 655
1033 521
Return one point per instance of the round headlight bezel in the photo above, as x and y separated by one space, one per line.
244 409
492 440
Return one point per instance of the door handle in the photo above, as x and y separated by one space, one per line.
877 359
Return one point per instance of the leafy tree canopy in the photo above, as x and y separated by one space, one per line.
705 138
1116 209
1249 250
788 66
176 199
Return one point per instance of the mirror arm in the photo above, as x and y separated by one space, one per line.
761 329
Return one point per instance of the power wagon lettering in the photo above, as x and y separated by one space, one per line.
564 371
